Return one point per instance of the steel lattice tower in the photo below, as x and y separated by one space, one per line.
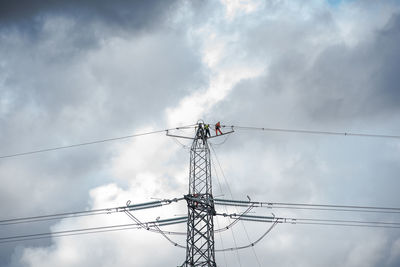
200 246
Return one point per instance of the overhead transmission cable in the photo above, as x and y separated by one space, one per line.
252 244
192 125
92 142
234 222
301 131
139 206
173 221
59 216
286 205
222 243
157 229
224 202
230 192
317 221
100 229
165 222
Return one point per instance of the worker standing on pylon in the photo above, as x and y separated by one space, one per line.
207 128
218 128
200 131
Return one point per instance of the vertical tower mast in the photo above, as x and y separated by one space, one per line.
200 249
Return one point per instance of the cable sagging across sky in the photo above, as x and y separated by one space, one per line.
99 229
316 221
91 142
139 206
301 131
306 206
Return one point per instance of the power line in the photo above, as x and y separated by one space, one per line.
245 230
316 221
189 126
173 221
230 192
99 229
91 142
50 218
69 234
139 206
307 206
63 232
59 216
224 202
222 243
312 131
252 244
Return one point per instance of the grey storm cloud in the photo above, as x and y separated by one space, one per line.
135 14
116 18
387 78
337 84
356 82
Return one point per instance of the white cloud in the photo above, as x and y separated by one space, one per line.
235 7
225 69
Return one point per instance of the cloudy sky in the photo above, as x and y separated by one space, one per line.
76 71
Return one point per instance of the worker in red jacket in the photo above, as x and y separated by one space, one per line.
218 128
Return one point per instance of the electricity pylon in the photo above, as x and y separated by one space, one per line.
200 249
200 245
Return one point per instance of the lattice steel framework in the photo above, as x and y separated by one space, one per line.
200 246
